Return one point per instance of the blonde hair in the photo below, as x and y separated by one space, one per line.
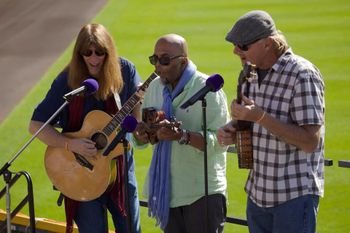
280 44
110 79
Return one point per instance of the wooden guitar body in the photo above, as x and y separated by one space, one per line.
74 178
81 178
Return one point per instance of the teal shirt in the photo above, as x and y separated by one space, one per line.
187 164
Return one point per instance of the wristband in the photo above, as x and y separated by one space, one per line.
185 138
262 117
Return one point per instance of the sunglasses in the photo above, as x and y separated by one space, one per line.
89 52
163 60
245 47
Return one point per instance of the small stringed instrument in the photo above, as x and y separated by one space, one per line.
244 128
152 117
81 178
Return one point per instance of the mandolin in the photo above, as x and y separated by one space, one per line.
153 117
244 128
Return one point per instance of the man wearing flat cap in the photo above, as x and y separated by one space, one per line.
285 105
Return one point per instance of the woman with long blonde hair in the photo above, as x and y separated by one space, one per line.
94 57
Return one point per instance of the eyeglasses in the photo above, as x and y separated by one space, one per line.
163 60
89 52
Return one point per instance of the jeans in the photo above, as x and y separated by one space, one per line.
91 217
294 216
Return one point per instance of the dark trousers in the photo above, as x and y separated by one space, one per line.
192 218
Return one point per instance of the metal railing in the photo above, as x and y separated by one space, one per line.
29 198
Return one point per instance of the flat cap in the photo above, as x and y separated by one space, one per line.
251 27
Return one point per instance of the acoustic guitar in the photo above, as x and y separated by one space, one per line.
81 178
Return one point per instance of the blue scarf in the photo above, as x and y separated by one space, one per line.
159 172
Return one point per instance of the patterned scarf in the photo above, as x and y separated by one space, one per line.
159 172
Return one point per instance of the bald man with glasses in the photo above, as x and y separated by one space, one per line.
175 182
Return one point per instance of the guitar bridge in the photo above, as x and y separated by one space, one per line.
83 161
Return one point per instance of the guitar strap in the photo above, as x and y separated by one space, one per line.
75 120
117 100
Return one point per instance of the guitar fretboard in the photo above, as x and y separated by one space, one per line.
127 107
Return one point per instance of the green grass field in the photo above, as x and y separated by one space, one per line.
318 30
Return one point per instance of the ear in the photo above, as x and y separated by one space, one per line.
268 42
184 60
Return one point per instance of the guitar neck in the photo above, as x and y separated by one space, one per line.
127 107
245 76
239 86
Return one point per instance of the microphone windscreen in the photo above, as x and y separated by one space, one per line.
91 86
215 82
129 123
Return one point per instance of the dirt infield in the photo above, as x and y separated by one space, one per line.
33 34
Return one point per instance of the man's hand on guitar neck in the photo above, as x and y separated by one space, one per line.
247 111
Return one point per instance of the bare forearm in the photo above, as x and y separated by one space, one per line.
49 135
196 140
304 137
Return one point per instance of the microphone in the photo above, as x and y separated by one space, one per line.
127 126
90 86
213 84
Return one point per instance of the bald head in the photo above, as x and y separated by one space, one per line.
172 48
175 42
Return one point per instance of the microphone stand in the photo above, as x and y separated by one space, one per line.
111 147
126 184
204 115
7 174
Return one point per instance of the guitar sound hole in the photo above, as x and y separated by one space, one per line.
100 139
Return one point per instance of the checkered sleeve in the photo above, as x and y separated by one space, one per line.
307 106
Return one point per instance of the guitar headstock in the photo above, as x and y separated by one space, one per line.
248 73
151 115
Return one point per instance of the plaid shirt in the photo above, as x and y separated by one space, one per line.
293 92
